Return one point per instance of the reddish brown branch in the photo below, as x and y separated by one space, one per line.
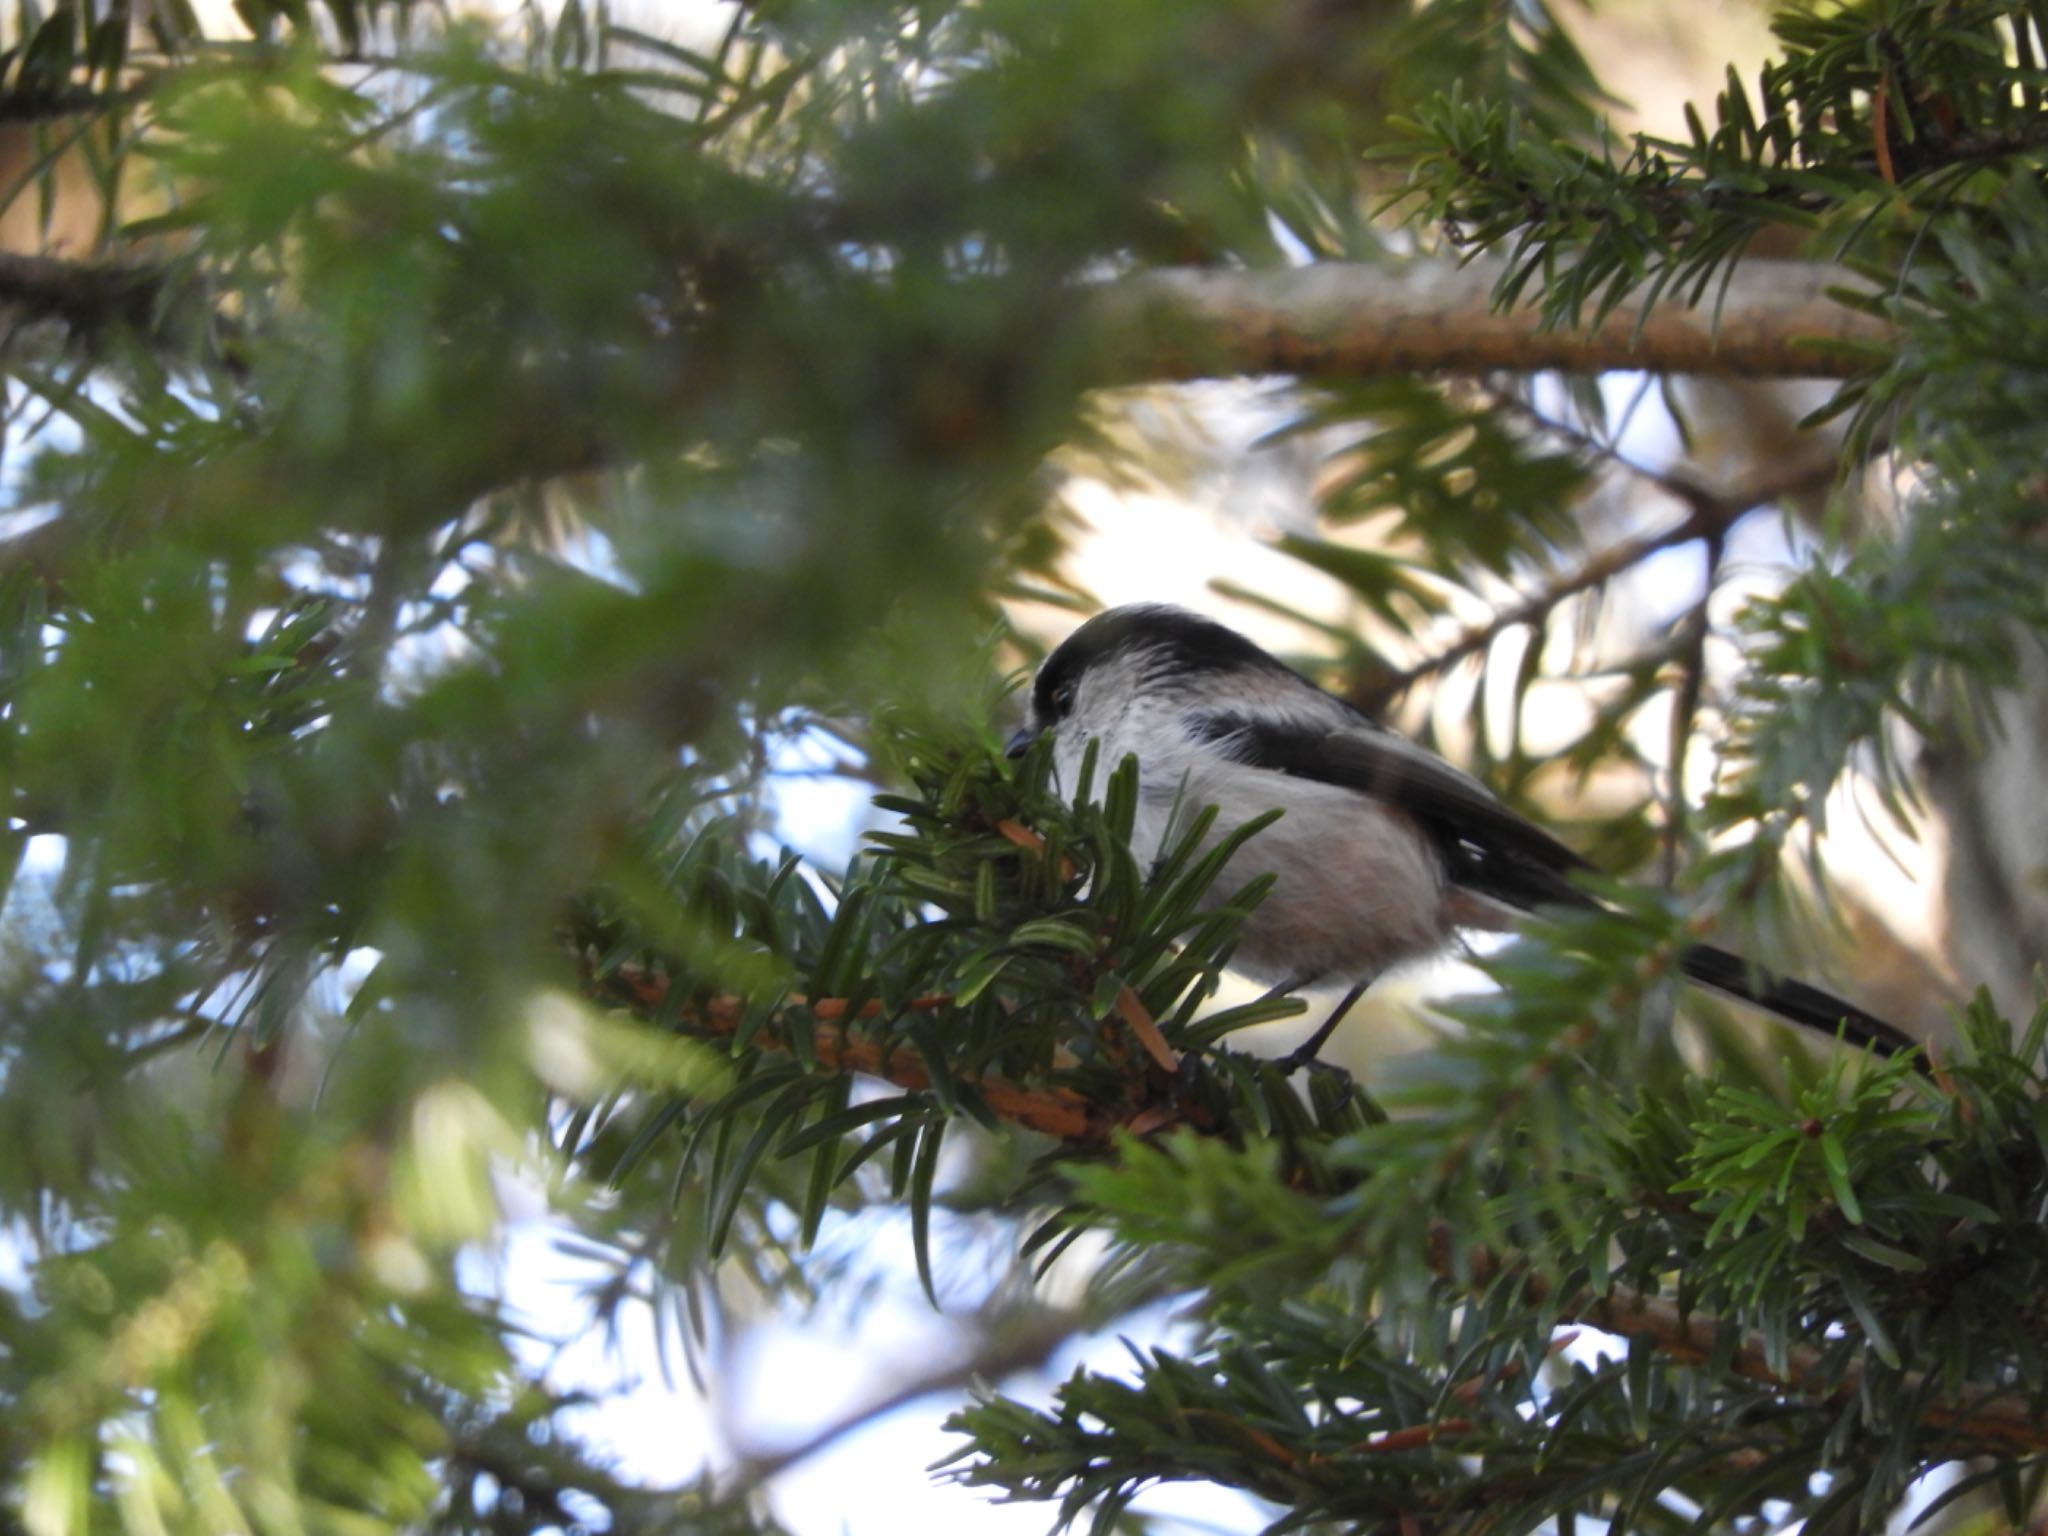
1056 1112
1694 1338
1416 1436
1031 842
2003 1420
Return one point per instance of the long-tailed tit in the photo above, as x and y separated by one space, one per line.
1385 851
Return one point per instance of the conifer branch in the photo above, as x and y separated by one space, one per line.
1056 1112
1992 1421
2003 1421
1995 1420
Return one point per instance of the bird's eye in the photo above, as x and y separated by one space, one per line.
1063 698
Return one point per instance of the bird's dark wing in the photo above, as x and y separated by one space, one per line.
1486 848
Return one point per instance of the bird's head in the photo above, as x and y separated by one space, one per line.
1147 654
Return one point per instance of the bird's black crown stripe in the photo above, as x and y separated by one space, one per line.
1178 642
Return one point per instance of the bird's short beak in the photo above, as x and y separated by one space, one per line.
1020 743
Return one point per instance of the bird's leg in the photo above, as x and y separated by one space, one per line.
1190 1064
1304 1055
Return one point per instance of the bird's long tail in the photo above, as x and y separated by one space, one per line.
1793 1001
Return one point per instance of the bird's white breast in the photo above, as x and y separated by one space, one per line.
1358 888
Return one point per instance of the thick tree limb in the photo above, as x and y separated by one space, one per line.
1775 319
1329 321
1342 320
47 103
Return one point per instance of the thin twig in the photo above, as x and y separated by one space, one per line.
1008 1347
1375 693
1814 472
1709 515
2002 1419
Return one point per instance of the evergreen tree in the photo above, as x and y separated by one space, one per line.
455 460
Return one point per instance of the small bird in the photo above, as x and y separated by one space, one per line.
1385 851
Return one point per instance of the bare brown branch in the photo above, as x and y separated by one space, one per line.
1710 515
1327 321
1334 319
1340 320
1020 1339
